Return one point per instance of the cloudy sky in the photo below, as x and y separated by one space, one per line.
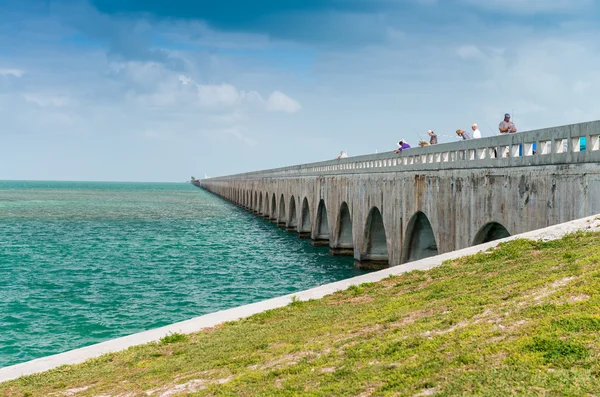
159 90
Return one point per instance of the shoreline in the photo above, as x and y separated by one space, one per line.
196 324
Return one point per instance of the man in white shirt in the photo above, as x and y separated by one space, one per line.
476 132
342 155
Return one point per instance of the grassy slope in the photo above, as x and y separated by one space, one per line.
522 319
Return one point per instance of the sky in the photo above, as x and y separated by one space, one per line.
149 90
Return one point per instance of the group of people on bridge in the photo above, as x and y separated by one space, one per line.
506 126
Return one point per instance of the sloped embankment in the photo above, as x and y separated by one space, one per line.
520 319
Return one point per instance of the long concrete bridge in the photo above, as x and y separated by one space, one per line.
389 209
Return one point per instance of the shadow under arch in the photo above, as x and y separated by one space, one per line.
292 224
281 218
343 239
489 232
321 238
255 203
266 207
375 253
260 204
304 229
420 240
273 207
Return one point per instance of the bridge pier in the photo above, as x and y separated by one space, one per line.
342 251
372 264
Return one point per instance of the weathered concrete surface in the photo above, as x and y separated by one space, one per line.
389 209
211 320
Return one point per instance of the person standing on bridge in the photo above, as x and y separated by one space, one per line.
433 140
506 126
401 146
476 132
342 155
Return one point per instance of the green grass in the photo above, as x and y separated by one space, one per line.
521 319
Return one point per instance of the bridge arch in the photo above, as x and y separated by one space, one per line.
304 228
292 219
260 203
255 203
321 236
420 241
489 232
273 207
375 253
281 218
266 205
343 243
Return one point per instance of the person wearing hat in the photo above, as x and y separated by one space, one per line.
433 139
401 146
476 132
506 126
463 134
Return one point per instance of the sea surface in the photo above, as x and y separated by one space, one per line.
83 262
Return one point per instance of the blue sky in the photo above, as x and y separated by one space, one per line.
137 90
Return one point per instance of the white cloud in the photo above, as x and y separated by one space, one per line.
45 100
217 95
531 6
12 72
279 102
469 52
227 95
238 134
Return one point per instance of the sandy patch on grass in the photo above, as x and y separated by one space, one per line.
190 386
285 360
427 392
70 392
577 298
552 288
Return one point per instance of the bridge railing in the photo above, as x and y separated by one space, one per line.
575 143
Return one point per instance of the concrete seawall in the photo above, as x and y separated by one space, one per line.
210 320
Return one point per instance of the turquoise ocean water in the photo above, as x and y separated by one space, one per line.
81 262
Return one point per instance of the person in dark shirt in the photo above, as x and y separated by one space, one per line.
433 139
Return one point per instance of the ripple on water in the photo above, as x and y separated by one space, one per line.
85 262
